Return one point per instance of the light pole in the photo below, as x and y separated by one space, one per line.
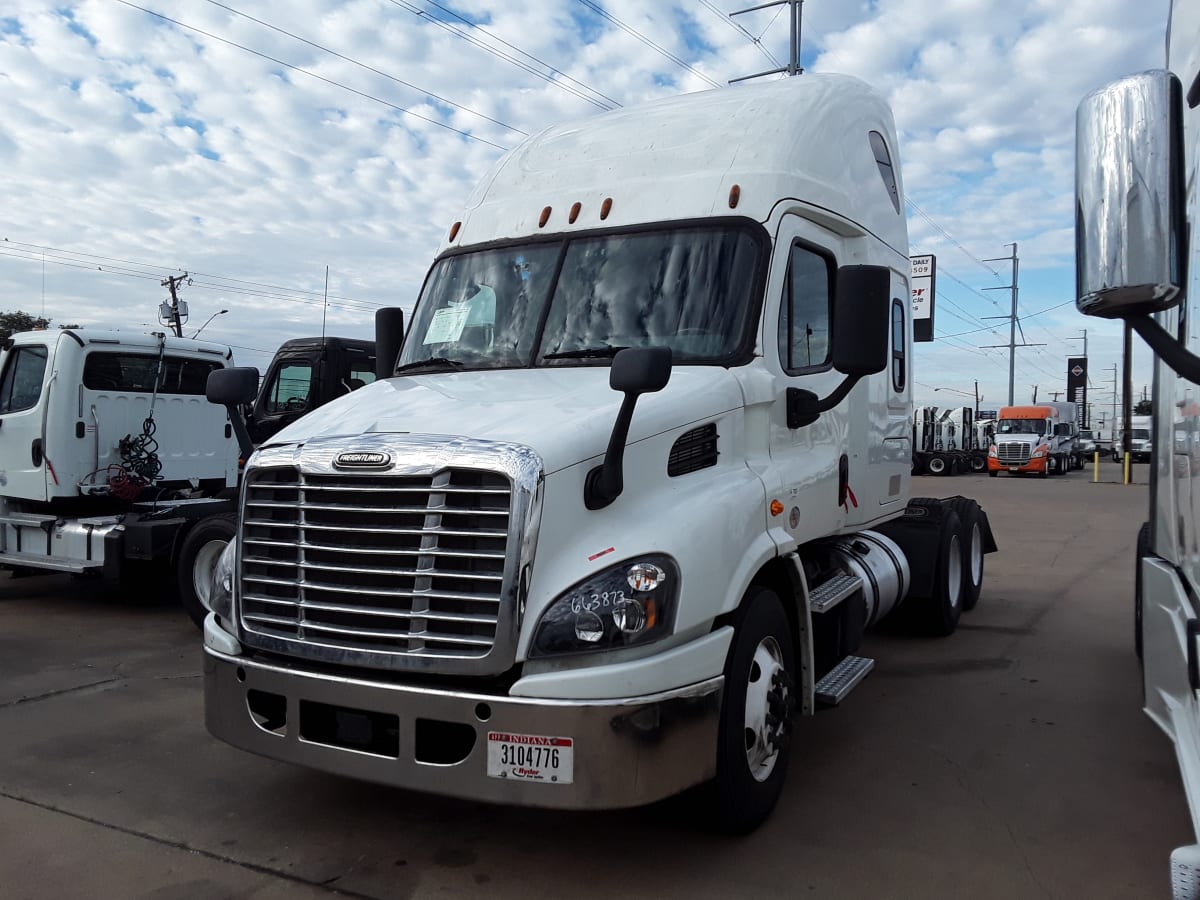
976 395
210 318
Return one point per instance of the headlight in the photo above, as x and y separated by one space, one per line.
220 593
992 450
1040 451
627 604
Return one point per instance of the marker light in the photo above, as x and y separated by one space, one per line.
605 208
545 218
776 508
735 194
575 208
454 230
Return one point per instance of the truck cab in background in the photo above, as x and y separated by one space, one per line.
1141 440
1032 439
1137 241
306 373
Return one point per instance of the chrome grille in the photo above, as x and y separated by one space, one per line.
392 568
1012 452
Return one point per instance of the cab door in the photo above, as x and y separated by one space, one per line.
24 376
288 392
807 461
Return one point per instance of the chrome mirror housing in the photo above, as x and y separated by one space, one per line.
1129 203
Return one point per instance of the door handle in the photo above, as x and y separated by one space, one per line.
35 452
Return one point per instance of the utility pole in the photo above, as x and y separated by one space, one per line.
1035 387
1056 393
172 283
793 67
1013 322
1114 409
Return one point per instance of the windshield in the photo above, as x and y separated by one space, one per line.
1141 434
577 301
1021 426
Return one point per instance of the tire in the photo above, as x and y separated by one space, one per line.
199 553
978 463
756 710
916 466
972 550
937 464
1143 550
942 611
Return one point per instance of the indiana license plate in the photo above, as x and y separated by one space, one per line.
531 757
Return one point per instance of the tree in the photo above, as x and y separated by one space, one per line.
1143 408
13 322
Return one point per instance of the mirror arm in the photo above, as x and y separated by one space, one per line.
245 445
1173 353
606 482
839 393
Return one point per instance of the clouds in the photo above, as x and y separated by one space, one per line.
130 138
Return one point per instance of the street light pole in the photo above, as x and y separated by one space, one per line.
210 318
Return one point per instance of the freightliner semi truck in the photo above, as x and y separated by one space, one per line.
1137 242
639 479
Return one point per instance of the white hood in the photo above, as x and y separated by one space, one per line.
564 414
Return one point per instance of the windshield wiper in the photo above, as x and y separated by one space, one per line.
605 352
438 362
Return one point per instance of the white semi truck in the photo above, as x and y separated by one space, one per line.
1137 242
634 488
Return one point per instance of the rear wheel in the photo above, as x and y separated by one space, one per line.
937 464
753 745
198 557
972 549
943 609
978 463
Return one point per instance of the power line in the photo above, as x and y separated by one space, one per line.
599 10
304 71
369 68
540 62
924 215
446 26
756 41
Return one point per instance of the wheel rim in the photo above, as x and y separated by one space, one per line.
766 705
202 571
954 572
936 466
976 555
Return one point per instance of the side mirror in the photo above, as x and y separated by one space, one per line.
635 371
231 388
861 321
389 338
1130 227
861 339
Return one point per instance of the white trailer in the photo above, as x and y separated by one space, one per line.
1138 223
634 489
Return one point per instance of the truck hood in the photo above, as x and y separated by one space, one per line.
564 414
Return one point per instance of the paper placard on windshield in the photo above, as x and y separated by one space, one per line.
447 325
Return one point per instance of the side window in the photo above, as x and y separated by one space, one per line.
21 386
362 370
897 345
292 387
804 314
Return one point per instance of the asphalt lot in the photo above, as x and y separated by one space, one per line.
1010 760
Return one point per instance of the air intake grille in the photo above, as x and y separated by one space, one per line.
1012 452
696 449
390 567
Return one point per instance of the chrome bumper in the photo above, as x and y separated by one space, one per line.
628 751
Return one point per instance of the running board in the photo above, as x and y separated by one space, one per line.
828 594
842 679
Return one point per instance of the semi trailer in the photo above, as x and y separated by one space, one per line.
630 487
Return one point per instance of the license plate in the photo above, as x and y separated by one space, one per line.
531 757
1014 468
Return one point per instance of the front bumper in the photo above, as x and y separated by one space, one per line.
628 751
1037 464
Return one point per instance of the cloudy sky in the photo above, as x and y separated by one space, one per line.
252 144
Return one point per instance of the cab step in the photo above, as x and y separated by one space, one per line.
828 594
842 679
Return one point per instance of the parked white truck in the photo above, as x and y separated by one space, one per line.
1137 240
633 490
1141 439
112 461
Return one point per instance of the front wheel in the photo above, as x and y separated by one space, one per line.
937 464
198 557
753 744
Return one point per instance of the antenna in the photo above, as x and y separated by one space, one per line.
324 307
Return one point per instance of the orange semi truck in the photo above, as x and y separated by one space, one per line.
1031 439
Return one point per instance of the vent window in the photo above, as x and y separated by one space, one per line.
694 450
